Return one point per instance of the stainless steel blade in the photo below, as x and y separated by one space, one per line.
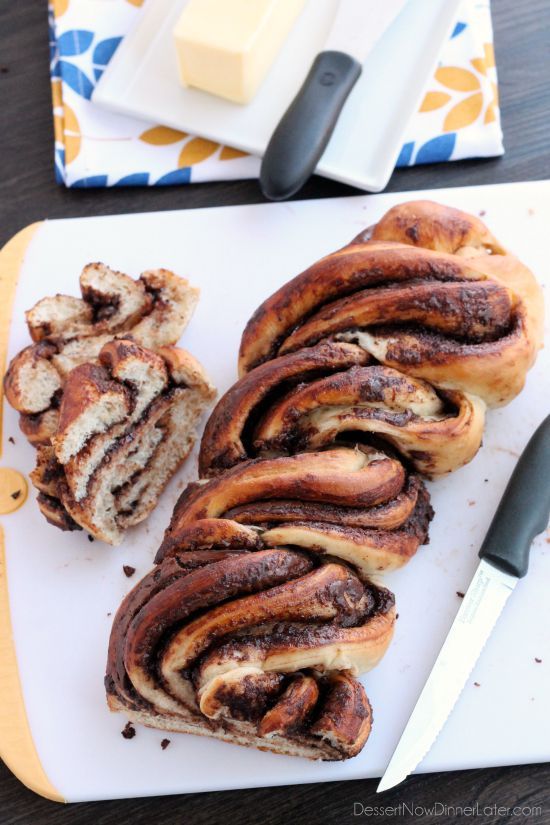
359 24
478 613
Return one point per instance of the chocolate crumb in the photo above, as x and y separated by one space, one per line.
129 731
90 538
482 212
4 69
164 744
460 594
128 570
15 495
477 684
537 660
485 480
109 614
396 616
11 439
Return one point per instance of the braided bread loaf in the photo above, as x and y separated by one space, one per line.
240 634
374 365
428 291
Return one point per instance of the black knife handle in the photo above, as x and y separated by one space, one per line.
524 508
305 129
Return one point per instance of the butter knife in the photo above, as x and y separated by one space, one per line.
305 129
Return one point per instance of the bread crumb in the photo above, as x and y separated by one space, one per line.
129 731
164 744
482 212
128 570
471 503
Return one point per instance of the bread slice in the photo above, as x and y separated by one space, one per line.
69 331
125 426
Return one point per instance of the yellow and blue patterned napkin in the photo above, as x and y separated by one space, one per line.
459 116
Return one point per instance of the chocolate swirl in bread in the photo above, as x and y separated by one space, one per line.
69 331
374 365
309 398
125 426
357 505
109 403
255 634
428 291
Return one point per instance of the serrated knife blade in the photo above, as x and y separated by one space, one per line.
522 514
482 605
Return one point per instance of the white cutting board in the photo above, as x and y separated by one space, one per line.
62 587
142 80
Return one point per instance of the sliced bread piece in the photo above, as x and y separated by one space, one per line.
125 426
69 331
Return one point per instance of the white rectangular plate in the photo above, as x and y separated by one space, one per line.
64 590
142 80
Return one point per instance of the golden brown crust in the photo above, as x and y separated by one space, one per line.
70 331
86 386
342 476
352 504
222 443
31 382
308 399
243 635
105 387
262 645
261 613
38 429
433 226
432 294
125 426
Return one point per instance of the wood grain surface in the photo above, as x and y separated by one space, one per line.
28 193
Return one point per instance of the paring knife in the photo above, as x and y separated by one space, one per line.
305 129
522 513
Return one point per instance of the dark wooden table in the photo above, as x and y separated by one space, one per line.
29 193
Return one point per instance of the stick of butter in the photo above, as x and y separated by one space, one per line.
226 47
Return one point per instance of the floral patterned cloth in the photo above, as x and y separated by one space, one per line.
459 116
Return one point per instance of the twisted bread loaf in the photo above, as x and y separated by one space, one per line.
376 362
125 426
307 399
240 634
70 331
428 291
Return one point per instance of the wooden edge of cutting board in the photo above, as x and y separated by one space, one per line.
17 748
